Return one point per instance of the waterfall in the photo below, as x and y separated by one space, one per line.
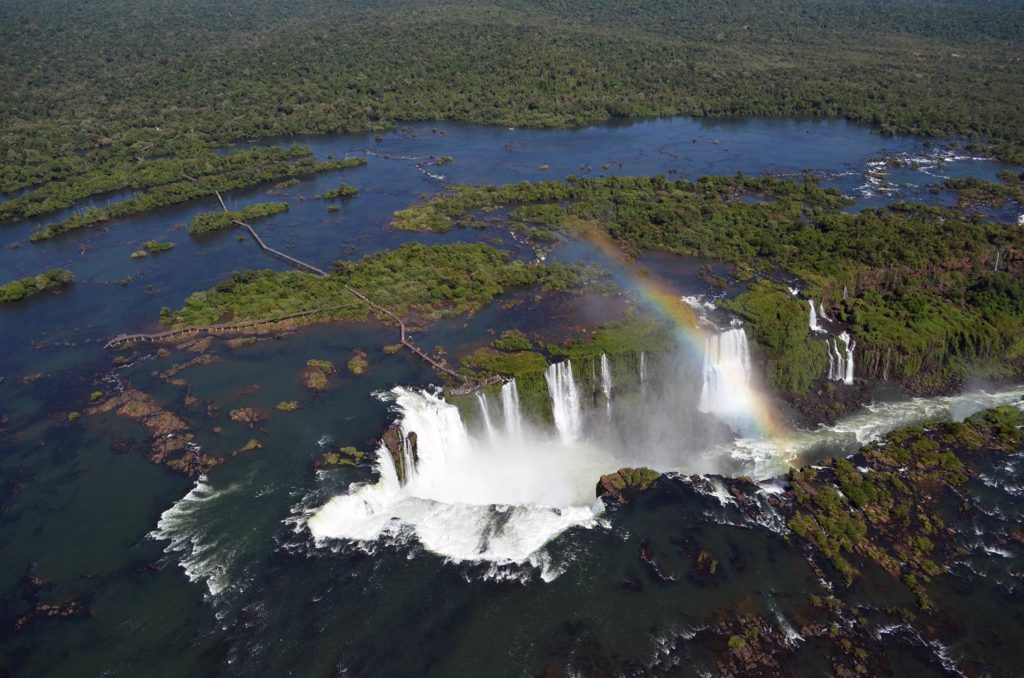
606 381
481 399
565 400
821 311
850 345
999 254
468 498
840 367
815 327
726 391
643 372
833 359
510 408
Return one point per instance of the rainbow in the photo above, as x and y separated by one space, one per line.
687 329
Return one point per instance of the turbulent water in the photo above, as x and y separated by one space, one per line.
499 497
503 492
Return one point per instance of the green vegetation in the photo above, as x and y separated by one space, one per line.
342 191
316 372
513 340
103 98
26 287
915 284
358 363
887 514
155 246
206 222
288 405
345 456
152 247
278 165
432 282
974 192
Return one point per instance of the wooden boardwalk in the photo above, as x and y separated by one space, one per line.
469 383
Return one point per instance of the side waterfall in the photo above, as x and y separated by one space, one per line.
643 372
606 381
510 408
565 401
840 366
481 399
815 327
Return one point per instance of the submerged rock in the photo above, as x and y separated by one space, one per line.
172 442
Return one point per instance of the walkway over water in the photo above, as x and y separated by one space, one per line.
470 383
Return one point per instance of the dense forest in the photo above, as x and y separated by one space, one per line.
112 88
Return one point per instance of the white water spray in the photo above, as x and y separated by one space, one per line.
469 499
565 401
726 391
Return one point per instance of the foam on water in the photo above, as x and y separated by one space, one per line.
186 527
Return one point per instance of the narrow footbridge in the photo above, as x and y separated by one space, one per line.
469 383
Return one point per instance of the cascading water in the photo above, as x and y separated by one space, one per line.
821 311
815 327
606 382
726 392
643 372
850 345
840 366
469 499
485 414
510 408
565 401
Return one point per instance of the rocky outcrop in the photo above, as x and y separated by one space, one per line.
620 487
172 443
401 448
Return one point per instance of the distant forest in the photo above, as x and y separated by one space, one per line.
98 88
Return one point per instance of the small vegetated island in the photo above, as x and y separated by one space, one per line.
53 279
930 294
207 222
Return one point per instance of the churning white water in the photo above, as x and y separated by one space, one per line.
565 401
727 391
470 499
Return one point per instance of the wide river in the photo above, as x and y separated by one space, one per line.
224 575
